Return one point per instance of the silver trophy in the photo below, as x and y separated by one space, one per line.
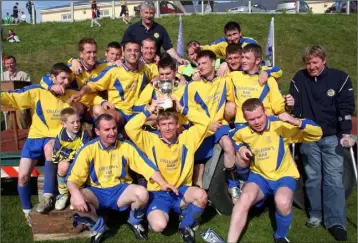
165 88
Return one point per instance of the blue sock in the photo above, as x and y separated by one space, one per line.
50 177
99 226
232 183
136 216
243 173
190 214
283 224
24 194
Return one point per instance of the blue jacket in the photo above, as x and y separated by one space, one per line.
327 99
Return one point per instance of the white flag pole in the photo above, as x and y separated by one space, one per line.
273 41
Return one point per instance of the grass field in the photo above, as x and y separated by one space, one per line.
45 44
14 229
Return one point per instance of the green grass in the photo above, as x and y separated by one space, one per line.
14 229
44 44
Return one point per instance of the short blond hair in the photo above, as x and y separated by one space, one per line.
65 113
313 51
167 114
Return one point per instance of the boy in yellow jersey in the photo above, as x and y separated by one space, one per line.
232 32
233 63
167 71
209 96
99 179
46 124
70 139
174 156
265 141
246 85
124 84
87 48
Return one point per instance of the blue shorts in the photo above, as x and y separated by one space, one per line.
166 201
205 151
108 197
34 147
269 187
125 116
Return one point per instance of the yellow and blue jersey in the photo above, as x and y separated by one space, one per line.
103 167
65 147
272 157
209 97
78 80
219 46
274 72
123 84
175 161
152 66
247 86
46 119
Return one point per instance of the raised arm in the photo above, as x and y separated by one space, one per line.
21 98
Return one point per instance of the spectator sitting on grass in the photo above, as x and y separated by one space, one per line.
12 36
126 18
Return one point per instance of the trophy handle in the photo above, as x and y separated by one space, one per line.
156 85
176 84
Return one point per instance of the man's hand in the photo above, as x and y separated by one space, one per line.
196 75
182 61
74 98
178 106
245 154
285 117
289 101
182 80
57 89
224 67
347 141
263 78
215 126
118 63
76 66
154 106
156 59
79 203
169 188
107 105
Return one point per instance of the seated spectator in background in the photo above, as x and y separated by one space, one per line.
23 17
12 36
14 74
126 18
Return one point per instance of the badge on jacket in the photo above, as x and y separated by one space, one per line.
331 92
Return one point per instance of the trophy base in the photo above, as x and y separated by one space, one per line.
168 103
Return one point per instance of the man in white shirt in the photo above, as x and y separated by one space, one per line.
14 74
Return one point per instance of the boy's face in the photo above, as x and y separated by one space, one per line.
233 36
234 61
249 61
72 124
63 79
113 54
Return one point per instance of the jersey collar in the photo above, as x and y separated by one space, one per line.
208 80
174 142
128 68
87 69
65 136
145 62
103 147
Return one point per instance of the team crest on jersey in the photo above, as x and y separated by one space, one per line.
331 92
156 35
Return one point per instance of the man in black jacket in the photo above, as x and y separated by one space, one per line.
324 95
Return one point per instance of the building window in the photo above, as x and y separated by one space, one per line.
103 13
66 17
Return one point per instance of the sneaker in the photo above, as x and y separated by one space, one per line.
338 232
96 237
187 234
46 204
234 193
282 240
313 222
61 201
28 220
138 231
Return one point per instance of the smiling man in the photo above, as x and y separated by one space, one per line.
147 27
326 96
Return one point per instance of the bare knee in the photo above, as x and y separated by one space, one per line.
244 202
283 204
96 111
62 168
201 197
141 194
23 179
158 224
230 111
48 149
117 116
